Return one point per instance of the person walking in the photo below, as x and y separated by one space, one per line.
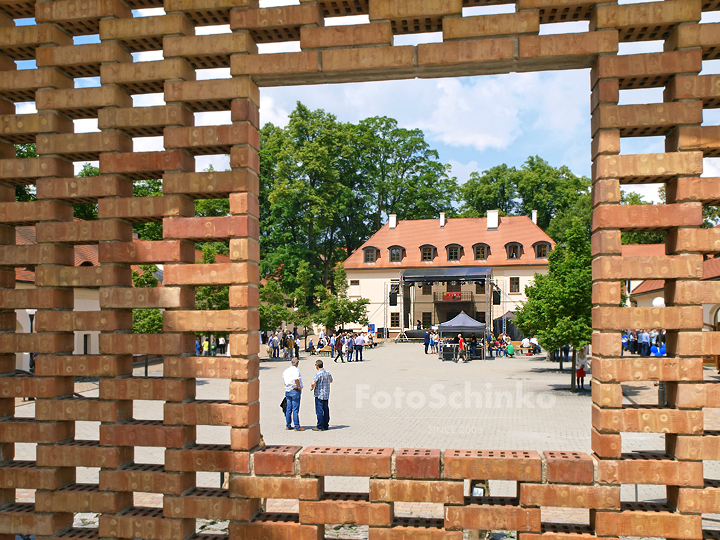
473 345
321 388
426 340
349 346
339 348
461 348
293 387
198 347
297 347
359 343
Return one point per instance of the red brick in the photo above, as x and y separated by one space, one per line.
82 366
210 504
275 460
256 487
211 274
151 297
211 228
146 479
569 467
83 409
204 457
146 433
28 475
605 445
83 454
648 523
69 321
81 498
36 387
146 388
493 513
706 501
647 419
493 465
147 523
346 461
28 431
418 463
640 468
385 490
277 526
83 276
20 518
647 369
350 508
237 320
217 367
570 496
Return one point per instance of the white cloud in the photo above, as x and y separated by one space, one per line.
148 100
271 112
214 118
149 144
462 171
219 163
86 125
25 108
215 73
711 167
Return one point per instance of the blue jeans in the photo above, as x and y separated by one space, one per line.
293 409
358 352
276 352
322 410
349 354
473 350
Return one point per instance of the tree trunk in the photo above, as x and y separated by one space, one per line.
559 354
573 386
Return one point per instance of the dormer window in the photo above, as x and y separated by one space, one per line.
514 250
454 252
370 255
427 253
396 253
542 249
481 251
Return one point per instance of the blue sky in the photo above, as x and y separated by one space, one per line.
473 122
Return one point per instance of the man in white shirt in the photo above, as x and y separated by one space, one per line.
359 342
293 386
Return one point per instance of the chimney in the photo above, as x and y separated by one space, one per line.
135 235
534 217
493 219
442 219
393 221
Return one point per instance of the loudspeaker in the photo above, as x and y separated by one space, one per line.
393 298
496 298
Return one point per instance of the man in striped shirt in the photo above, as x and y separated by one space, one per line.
321 388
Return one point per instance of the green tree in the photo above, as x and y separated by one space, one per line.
335 308
211 297
547 189
25 193
493 189
560 225
558 306
146 321
639 237
151 230
86 211
273 310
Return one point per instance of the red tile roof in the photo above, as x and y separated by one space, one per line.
649 286
465 232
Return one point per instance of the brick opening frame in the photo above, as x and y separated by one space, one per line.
471 46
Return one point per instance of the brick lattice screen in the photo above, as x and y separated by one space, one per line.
471 46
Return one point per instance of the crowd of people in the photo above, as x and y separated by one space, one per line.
649 342
342 346
211 346
288 342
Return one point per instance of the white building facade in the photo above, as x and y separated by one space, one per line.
425 272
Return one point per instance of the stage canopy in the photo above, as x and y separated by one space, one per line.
461 323
425 275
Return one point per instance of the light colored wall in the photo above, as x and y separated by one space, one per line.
373 286
85 300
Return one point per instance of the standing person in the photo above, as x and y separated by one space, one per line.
221 342
426 340
290 345
293 387
359 343
433 343
213 346
321 388
198 347
473 345
349 346
581 367
206 347
297 347
644 343
339 348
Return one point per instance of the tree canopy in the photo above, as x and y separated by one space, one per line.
558 306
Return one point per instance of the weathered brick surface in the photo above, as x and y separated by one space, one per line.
472 45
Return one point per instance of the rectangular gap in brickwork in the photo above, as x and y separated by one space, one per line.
213 434
501 488
286 46
640 47
552 514
498 9
87 475
643 493
574 27
25 451
417 38
347 484
152 455
147 500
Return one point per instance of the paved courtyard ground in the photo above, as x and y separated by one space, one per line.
400 397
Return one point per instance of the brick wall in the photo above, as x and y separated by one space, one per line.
472 45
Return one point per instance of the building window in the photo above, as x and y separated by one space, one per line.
427 254
453 253
480 253
426 319
513 251
514 284
426 289
541 251
354 282
454 286
394 320
395 254
480 287
370 255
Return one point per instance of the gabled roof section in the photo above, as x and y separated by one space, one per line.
464 232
